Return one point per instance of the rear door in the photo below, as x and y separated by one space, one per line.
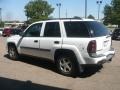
51 39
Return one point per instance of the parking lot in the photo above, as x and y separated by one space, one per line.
39 74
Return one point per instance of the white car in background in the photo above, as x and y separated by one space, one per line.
1 31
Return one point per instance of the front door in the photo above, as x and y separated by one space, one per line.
30 42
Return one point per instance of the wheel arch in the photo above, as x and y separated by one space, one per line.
10 43
60 52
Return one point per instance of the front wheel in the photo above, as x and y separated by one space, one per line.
66 65
12 52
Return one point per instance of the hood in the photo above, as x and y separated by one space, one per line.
13 39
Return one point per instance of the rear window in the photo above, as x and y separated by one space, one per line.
97 29
85 29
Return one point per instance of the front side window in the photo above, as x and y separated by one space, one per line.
34 30
76 29
52 29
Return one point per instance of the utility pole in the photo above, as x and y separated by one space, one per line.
59 7
85 8
99 2
66 13
0 14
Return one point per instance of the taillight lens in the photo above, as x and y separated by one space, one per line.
91 47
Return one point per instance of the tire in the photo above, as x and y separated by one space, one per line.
12 52
66 65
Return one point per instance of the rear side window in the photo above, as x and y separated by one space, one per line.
76 29
52 29
97 29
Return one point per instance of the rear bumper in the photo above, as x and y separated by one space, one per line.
101 59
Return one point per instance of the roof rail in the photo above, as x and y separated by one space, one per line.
63 18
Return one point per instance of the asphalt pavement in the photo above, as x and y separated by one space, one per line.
39 74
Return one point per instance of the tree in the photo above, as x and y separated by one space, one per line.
116 11
1 24
91 17
77 17
37 10
107 14
112 13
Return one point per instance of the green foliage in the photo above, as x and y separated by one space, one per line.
1 24
37 10
107 14
112 13
91 17
77 17
116 11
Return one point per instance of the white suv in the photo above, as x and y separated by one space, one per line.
70 43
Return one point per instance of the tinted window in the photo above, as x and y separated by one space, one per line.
34 30
97 29
76 29
52 29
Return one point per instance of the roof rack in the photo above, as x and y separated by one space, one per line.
63 18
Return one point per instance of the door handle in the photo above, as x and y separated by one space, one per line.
56 42
35 41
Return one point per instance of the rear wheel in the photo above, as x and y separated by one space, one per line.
12 51
66 65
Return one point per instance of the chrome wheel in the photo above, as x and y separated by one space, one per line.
12 52
65 65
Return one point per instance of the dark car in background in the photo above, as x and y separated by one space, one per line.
11 31
15 31
116 34
6 32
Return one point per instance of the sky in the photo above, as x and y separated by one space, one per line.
14 9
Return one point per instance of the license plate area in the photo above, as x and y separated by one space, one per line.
106 43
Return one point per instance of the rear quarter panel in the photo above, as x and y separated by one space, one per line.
78 46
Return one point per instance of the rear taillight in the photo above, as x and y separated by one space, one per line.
91 47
